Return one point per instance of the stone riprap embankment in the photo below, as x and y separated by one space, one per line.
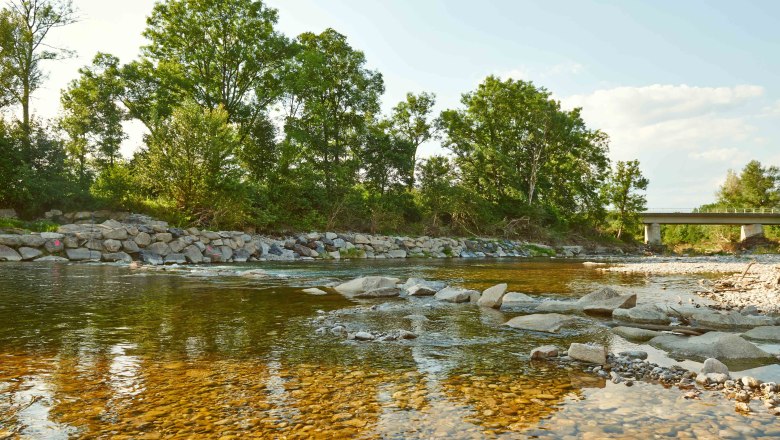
127 237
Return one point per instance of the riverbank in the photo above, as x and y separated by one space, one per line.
130 237
746 285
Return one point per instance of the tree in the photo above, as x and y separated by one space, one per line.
92 114
190 161
331 98
24 28
435 177
226 53
515 145
755 187
620 192
411 123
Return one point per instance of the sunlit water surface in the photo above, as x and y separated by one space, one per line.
105 352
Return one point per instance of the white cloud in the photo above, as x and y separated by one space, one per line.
568 68
685 137
717 155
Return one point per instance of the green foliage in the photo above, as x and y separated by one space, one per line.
620 192
34 226
517 147
755 187
352 253
190 160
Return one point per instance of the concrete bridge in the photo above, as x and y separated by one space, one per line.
752 221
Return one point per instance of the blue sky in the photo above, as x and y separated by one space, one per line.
690 88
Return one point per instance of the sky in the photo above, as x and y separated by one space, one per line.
689 88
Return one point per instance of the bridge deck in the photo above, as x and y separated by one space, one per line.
713 218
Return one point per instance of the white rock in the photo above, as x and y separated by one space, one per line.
595 354
492 297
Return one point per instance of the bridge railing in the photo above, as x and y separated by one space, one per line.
727 210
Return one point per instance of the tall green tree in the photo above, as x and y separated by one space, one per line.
93 115
225 53
621 191
435 176
190 161
412 124
755 187
331 99
517 146
24 30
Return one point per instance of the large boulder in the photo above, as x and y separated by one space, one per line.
117 257
642 314
594 354
193 254
717 345
542 322
112 245
175 259
143 239
54 245
10 240
160 248
514 300
29 253
635 334
83 254
769 333
419 290
382 292
492 296
365 284
8 254
455 295
33 240
712 365
604 301
115 234
152 258
130 246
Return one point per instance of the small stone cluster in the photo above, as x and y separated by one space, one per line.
124 237
630 366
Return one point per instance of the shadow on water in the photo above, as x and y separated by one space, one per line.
102 351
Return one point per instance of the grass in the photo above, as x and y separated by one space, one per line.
34 226
352 253
537 251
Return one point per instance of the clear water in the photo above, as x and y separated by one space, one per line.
105 352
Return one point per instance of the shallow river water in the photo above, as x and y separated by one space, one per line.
96 351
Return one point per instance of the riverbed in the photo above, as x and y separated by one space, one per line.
108 352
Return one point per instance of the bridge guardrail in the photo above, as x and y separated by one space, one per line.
714 211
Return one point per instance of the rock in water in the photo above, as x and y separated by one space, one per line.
542 322
712 365
644 314
516 299
384 292
544 352
364 336
769 333
594 354
8 254
635 334
418 290
710 345
454 295
315 291
364 284
492 297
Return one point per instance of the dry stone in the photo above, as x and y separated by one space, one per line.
541 322
29 253
594 354
8 254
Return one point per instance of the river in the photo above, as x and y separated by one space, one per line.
102 351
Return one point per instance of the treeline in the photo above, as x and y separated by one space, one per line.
246 126
755 187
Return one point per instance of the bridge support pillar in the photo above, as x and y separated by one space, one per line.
748 231
653 234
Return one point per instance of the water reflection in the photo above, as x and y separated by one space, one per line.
102 352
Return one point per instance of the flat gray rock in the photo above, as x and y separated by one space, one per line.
643 314
8 254
594 354
635 334
383 292
315 291
51 259
454 295
420 290
541 322
553 306
364 284
83 254
764 333
517 300
717 345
